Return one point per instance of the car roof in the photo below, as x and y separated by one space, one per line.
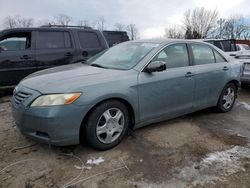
167 41
212 39
46 29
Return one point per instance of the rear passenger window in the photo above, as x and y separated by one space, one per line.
67 40
219 58
174 56
48 40
89 40
202 54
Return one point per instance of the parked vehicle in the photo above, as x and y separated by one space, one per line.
115 37
242 47
243 50
131 85
239 51
227 45
26 50
245 77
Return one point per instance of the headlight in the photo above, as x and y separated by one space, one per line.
55 99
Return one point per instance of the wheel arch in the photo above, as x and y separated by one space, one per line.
235 82
124 101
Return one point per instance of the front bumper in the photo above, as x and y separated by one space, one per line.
57 125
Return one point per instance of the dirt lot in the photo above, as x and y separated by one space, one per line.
203 149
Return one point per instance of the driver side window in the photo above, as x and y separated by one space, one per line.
174 55
16 42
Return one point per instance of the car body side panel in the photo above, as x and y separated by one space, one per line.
165 94
209 81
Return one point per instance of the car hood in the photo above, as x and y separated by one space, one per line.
69 78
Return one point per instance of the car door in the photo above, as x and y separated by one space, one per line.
211 70
168 93
17 57
53 48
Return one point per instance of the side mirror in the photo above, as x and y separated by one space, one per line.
156 66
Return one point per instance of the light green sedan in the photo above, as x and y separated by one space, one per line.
128 86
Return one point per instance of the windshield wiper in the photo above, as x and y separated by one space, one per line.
98 65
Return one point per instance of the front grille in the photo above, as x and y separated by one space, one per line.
20 97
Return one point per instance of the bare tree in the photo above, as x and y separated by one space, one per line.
174 32
235 27
133 31
45 22
246 35
84 23
9 22
199 22
17 21
221 26
101 23
119 27
63 19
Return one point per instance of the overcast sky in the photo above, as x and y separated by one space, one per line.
150 16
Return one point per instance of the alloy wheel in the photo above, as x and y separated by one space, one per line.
110 125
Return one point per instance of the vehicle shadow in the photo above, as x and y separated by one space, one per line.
5 95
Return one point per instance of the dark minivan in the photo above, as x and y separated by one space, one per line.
26 50
115 37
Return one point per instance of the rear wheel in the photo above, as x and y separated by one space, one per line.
107 124
227 98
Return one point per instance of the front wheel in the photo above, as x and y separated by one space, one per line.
227 98
107 124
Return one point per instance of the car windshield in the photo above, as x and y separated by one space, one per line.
123 56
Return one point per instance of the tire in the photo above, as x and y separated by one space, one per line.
107 124
226 98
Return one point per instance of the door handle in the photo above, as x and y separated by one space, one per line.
68 54
25 57
189 74
225 68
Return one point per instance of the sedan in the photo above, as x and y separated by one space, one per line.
128 86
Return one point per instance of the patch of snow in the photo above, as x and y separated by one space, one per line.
215 166
95 161
244 105
82 167
240 135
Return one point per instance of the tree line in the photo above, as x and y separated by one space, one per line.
65 20
201 23
196 24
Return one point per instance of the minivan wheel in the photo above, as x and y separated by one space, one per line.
227 98
107 124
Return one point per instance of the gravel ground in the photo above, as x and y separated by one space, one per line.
203 149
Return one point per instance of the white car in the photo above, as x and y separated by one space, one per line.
241 52
242 47
245 77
